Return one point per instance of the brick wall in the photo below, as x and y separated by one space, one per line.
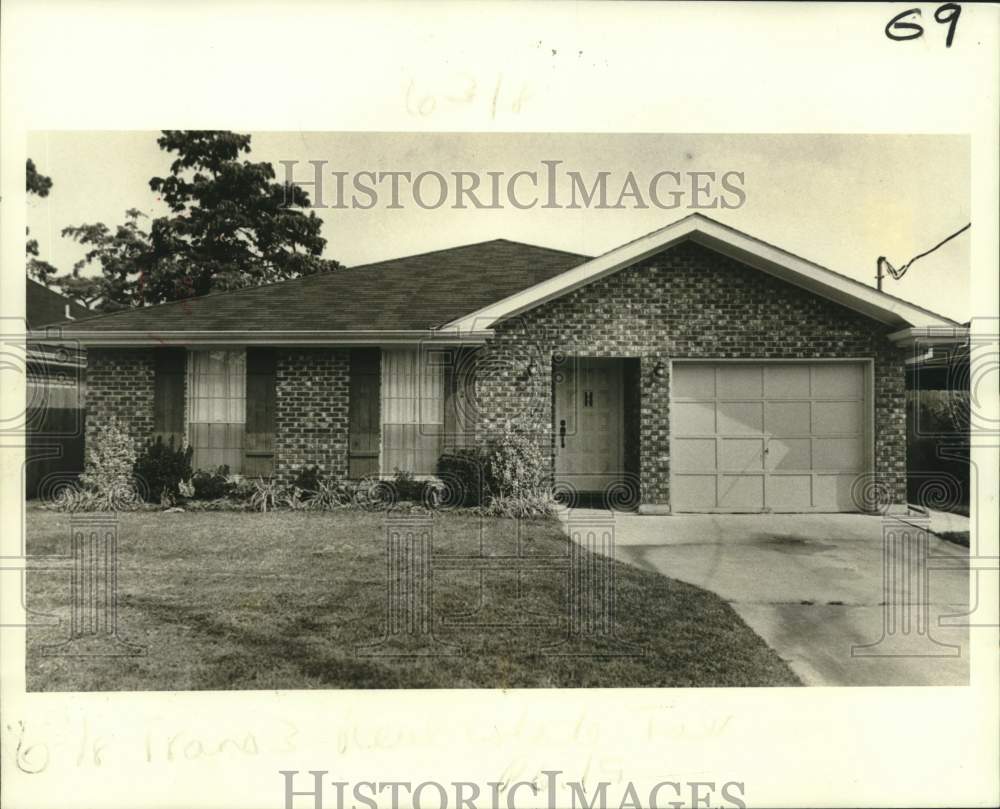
311 405
686 302
120 383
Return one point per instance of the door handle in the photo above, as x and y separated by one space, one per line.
562 433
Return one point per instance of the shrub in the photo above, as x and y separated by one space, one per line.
212 485
428 492
516 465
407 487
510 467
307 481
162 467
465 474
109 479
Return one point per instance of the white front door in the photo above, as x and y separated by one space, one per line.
589 423
767 436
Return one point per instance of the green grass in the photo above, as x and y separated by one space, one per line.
284 600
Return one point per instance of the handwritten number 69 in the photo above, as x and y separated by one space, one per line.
945 15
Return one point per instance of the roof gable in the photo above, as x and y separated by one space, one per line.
730 242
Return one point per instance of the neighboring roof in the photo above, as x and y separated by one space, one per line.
412 293
44 306
730 242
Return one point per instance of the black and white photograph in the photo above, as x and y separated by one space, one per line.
589 452
464 439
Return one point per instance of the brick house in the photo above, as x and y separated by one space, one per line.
695 368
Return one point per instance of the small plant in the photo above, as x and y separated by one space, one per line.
330 496
266 495
307 480
465 474
429 492
295 499
524 506
407 487
109 477
372 494
162 467
212 485
75 499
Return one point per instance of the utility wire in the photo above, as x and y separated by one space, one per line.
883 262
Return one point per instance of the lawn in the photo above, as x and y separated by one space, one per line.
297 600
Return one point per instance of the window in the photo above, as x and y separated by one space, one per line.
216 398
412 411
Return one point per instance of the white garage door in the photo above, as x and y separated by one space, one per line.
767 436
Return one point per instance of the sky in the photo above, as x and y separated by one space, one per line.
838 200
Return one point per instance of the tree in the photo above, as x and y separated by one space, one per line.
230 226
119 253
38 185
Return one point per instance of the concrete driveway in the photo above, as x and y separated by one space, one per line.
812 587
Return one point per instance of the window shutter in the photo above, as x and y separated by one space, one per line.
459 399
168 395
260 413
364 422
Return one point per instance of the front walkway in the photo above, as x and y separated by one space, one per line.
812 587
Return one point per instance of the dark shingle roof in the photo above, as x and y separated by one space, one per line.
45 306
415 292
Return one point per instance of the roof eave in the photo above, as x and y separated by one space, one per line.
925 337
125 339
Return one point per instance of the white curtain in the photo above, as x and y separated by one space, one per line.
217 385
412 409
216 399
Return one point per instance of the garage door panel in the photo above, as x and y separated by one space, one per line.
830 418
786 381
741 418
741 454
833 492
694 455
741 492
787 418
838 380
842 454
789 454
694 382
789 492
693 418
739 381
